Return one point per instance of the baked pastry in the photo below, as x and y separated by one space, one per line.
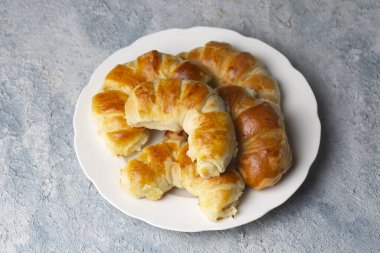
229 66
176 104
160 167
108 111
149 67
108 105
264 149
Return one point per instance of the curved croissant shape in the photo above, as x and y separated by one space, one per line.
108 105
160 167
149 67
263 146
232 67
175 104
266 156
108 111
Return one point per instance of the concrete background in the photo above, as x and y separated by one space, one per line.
48 51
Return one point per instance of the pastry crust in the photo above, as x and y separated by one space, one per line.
160 167
264 151
175 104
108 111
108 105
229 66
149 67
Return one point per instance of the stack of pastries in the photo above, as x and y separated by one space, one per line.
220 110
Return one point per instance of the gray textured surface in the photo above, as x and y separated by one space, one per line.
48 51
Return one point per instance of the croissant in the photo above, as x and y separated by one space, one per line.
264 150
263 146
232 67
149 67
108 111
108 105
160 167
176 104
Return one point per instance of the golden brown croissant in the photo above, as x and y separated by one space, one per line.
108 105
108 110
229 66
160 167
149 67
263 146
175 104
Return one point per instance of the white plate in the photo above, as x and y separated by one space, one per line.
178 211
